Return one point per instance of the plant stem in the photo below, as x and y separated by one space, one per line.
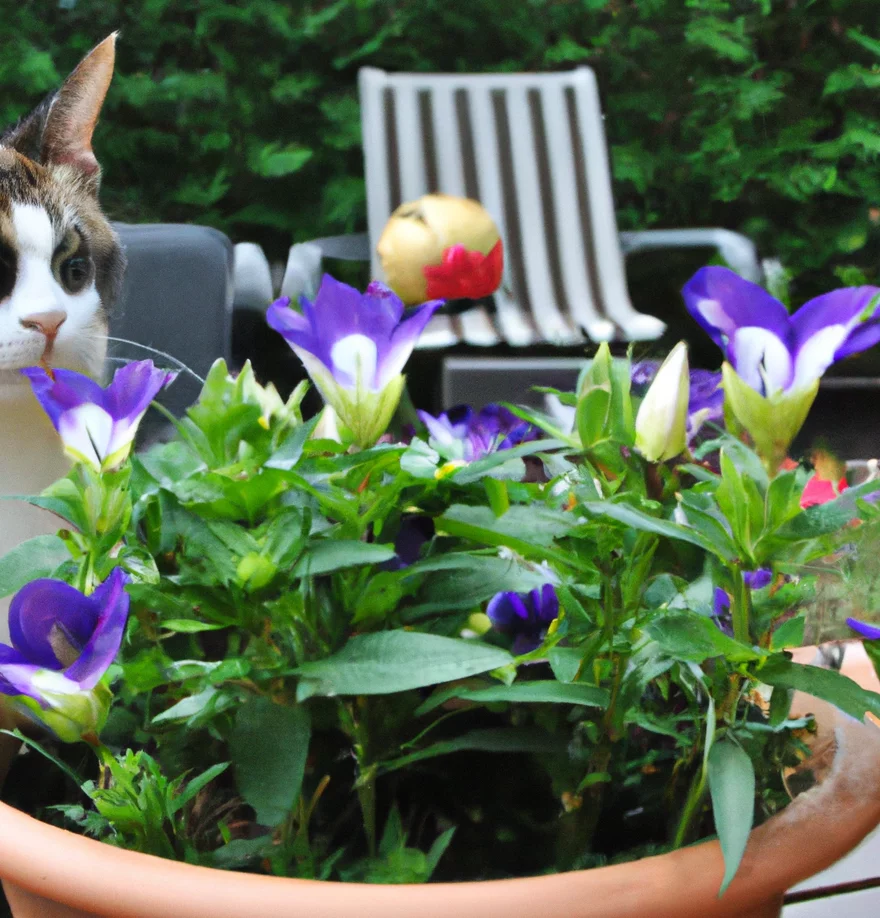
366 784
691 807
741 606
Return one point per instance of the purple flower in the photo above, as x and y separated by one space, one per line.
754 580
706 401
62 644
354 346
414 532
460 433
721 611
770 350
872 632
757 580
97 426
525 617
642 374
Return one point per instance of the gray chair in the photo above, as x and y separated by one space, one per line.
177 298
531 147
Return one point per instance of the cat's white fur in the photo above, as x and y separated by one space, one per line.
31 454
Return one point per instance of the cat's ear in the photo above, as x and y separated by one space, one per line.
59 132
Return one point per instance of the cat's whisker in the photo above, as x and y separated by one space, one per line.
152 350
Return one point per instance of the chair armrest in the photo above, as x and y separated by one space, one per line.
303 272
737 250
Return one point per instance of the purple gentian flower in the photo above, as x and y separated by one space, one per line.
62 644
462 433
414 532
872 632
721 611
525 617
97 426
757 580
770 350
705 402
354 346
642 374
754 580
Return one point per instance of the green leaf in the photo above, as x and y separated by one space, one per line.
396 661
732 786
190 625
638 519
538 692
187 707
827 684
494 739
528 526
324 556
789 634
823 519
195 785
689 636
565 662
275 159
269 746
37 557
478 469
289 453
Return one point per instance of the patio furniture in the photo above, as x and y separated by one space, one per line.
531 148
177 297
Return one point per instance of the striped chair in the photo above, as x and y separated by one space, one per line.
531 147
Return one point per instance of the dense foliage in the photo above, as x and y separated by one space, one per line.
455 655
758 115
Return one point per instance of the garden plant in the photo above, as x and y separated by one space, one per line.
490 645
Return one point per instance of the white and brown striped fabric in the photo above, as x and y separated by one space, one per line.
531 148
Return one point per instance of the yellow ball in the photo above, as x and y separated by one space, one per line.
418 233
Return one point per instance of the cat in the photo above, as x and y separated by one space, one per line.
61 270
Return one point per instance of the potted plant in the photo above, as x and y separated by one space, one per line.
337 659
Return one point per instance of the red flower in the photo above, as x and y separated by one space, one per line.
820 491
465 275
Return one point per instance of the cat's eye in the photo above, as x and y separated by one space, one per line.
8 270
75 273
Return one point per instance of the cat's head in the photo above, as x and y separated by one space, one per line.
61 264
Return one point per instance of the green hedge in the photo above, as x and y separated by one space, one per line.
759 115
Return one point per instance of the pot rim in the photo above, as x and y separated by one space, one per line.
811 833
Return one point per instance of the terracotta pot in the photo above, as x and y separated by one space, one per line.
51 873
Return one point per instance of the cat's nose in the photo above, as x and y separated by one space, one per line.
47 323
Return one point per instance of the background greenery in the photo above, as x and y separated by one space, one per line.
758 115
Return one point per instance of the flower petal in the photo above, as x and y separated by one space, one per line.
845 307
816 354
67 390
355 359
507 611
757 580
103 645
393 356
42 605
9 656
133 387
546 603
860 339
296 329
720 603
87 432
760 358
872 632
722 302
